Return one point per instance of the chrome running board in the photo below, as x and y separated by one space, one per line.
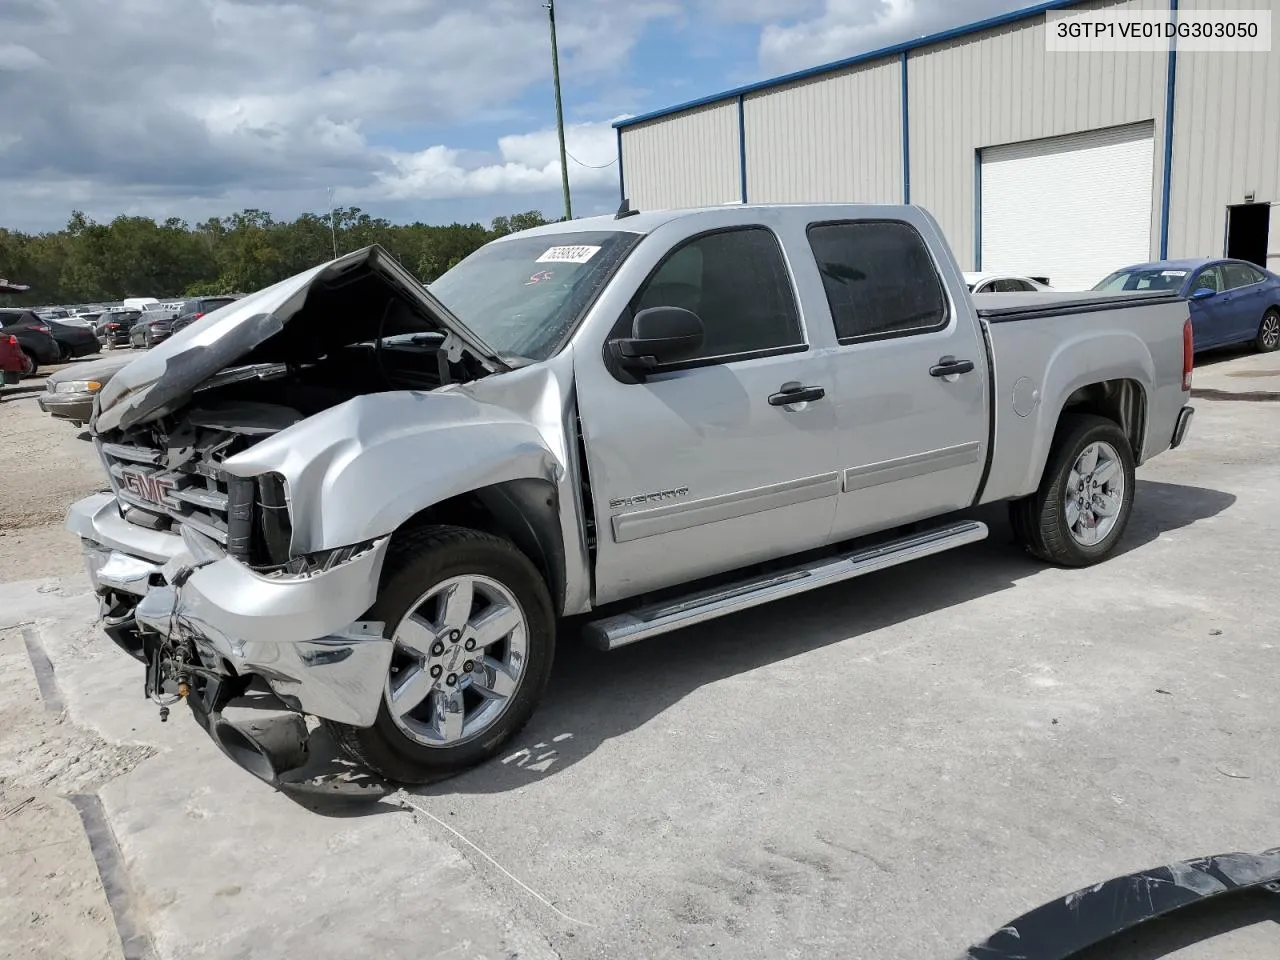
618 631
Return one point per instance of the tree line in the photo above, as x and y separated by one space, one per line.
88 262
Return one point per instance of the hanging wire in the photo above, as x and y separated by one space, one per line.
590 166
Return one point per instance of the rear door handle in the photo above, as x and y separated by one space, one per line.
949 366
795 392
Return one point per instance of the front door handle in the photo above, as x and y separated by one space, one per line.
949 366
795 392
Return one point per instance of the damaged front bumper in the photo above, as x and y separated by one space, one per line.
303 636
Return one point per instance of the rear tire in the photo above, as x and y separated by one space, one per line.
413 746
35 364
1268 332
1058 522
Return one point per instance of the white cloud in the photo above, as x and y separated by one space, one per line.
528 163
183 106
16 57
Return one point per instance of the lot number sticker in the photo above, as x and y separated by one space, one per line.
568 255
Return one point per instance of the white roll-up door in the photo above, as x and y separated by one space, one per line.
1070 208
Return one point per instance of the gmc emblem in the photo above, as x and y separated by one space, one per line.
149 486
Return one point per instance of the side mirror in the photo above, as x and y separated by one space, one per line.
1203 293
658 335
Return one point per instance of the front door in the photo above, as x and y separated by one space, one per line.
910 378
1210 315
703 467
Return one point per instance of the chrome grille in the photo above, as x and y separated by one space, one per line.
192 493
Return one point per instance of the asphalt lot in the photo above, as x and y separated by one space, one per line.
888 769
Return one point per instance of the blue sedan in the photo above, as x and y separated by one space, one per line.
1232 302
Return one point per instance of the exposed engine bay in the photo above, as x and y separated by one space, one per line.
167 471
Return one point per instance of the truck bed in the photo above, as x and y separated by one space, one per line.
1044 347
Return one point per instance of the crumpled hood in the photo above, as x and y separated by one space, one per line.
160 379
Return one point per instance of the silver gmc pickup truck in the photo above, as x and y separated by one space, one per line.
382 503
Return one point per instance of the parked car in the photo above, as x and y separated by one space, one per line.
113 327
1232 301
14 364
69 393
52 313
34 336
152 327
193 310
81 318
1004 283
630 424
75 341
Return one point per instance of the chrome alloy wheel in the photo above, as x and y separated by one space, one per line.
1270 333
460 654
1094 494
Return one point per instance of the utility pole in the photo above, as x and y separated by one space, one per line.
333 225
555 72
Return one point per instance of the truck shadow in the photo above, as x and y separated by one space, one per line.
595 696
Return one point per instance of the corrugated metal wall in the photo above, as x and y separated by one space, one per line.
687 160
1003 87
836 138
1226 139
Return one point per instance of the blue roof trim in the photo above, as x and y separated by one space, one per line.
906 46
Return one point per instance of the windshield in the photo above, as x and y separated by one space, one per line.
1144 278
521 296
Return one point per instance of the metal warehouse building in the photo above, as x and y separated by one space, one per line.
1067 165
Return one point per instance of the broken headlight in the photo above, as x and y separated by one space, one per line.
259 527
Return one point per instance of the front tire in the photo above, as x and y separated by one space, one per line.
1078 516
1268 332
474 632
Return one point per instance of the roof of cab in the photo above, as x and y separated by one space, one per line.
646 221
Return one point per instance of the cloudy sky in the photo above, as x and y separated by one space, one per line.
430 110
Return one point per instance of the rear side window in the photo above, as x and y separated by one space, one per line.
1240 275
879 279
737 283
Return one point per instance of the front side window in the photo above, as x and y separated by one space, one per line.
1210 278
737 283
879 279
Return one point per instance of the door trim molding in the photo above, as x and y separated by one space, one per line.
727 506
915 465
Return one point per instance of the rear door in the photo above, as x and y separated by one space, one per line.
910 378
1245 301
704 467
